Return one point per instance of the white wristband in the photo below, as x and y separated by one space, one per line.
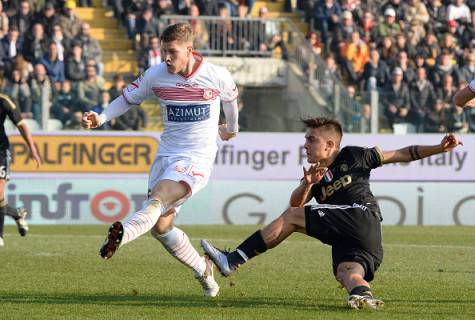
471 86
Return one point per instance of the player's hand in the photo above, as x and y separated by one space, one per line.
90 120
224 134
314 173
450 142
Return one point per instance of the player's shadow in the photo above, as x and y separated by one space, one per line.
168 301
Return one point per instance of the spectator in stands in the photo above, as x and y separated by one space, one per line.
146 28
3 78
354 7
26 69
355 55
200 30
429 48
221 31
415 33
344 29
434 120
328 75
326 18
70 23
64 103
315 42
4 22
368 27
207 7
134 120
76 64
36 44
182 7
468 35
396 99
457 118
406 66
165 7
90 46
63 43
54 67
438 15
375 73
446 91
459 11
151 55
23 19
416 10
47 18
468 70
12 44
388 50
19 91
399 8
402 45
118 85
422 95
89 90
74 122
41 92
388 27
446 66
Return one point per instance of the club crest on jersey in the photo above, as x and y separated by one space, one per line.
328 176
208 94
344 167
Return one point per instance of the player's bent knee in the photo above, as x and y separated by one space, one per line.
295 217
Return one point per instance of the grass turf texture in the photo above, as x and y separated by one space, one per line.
56 273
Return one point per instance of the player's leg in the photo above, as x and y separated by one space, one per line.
178 244
162 196
3 210
292 220
19 215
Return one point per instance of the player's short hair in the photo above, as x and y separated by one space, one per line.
181 32
325 123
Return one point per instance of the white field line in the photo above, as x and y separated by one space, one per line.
236 241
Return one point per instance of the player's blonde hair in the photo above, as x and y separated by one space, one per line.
181 32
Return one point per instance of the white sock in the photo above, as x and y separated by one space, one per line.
142 221
178 244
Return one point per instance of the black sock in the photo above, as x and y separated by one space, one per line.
362 291
2 220
250 247
12 212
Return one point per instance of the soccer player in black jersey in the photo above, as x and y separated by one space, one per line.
347 216
8 109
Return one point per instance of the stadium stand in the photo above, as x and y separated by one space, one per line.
378 66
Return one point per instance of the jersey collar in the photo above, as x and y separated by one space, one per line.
199 61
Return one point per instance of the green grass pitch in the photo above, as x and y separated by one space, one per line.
55 273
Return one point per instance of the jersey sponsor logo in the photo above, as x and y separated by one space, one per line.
327 191
188 113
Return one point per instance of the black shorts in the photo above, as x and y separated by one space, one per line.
354 232
5 160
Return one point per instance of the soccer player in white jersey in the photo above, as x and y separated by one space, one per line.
189 90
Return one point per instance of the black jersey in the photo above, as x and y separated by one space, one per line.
7 108
346 181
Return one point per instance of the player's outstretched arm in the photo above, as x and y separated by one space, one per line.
92 120
25 133
465 97
411 153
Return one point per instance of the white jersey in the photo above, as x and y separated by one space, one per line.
190 106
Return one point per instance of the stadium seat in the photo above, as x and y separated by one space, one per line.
54 125
32 125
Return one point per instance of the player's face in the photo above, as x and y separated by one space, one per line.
317 145
176 55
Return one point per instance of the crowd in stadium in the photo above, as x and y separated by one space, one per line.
415 53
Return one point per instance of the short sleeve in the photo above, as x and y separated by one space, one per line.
229 91
11 110
371 158
139 90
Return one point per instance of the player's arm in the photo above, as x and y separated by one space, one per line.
463 97
230 129
25 133
92 120
411 153
302 194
